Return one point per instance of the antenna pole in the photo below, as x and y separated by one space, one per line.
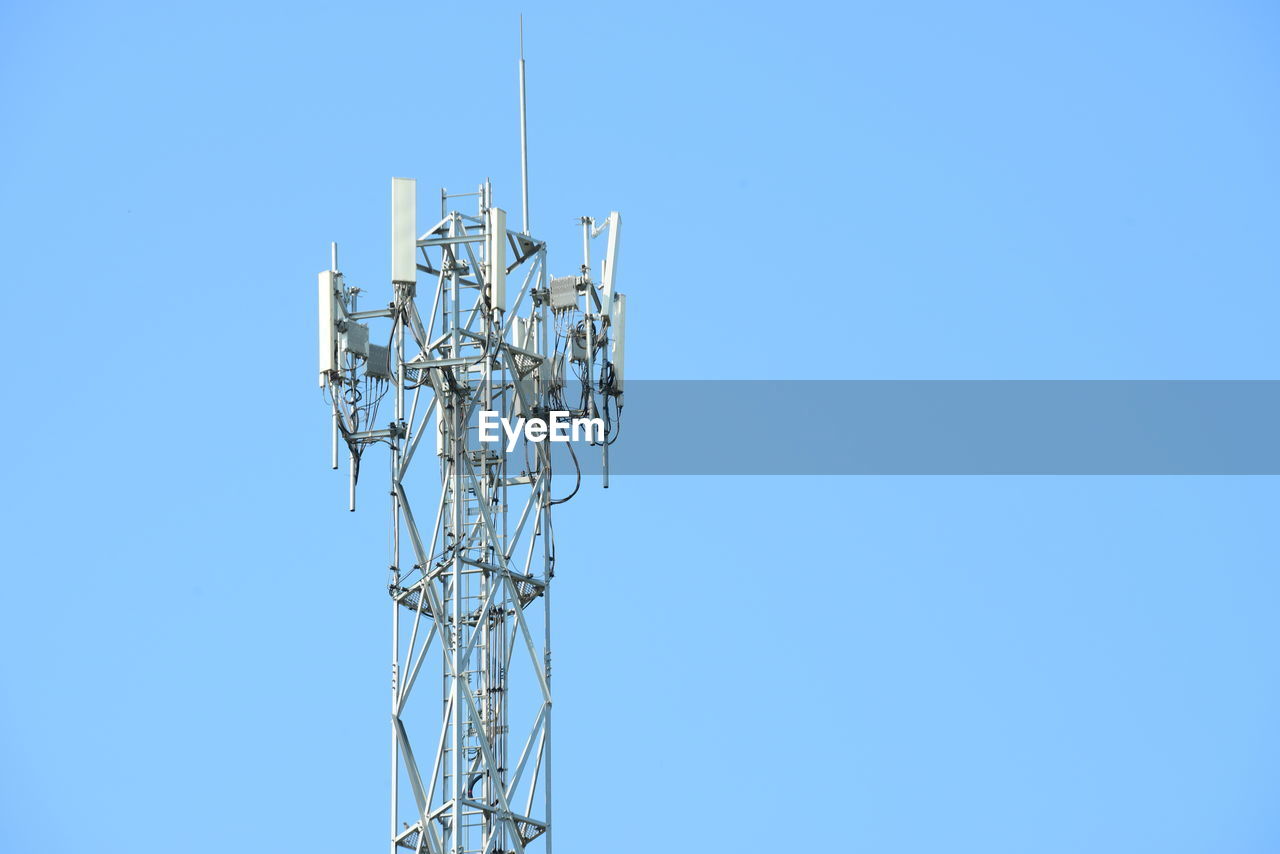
524 144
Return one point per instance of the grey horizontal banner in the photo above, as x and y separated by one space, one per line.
941 427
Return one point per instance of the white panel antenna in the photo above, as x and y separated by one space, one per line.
404 235
610 272
618 323
497 251
328 328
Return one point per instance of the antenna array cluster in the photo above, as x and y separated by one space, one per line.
470 578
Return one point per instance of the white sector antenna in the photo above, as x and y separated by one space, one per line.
610 272
497 248
618 324
404 236
328 328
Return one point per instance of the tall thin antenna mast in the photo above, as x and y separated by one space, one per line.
524 144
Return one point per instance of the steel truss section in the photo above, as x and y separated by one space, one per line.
470 584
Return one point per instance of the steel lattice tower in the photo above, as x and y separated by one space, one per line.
470 589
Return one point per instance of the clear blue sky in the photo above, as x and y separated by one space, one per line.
195 631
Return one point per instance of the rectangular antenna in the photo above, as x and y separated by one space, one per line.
404 234
328 331
497 252
610 272
618 323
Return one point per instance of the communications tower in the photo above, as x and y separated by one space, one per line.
469 575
